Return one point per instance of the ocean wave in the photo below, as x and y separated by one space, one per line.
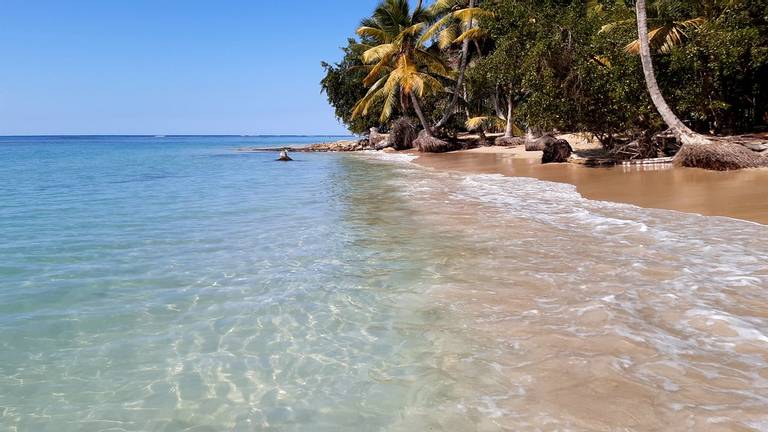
590 303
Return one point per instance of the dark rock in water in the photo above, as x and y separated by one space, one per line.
557 151
284 157
509 141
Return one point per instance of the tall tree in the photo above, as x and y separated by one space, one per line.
684 134
457 23
402 68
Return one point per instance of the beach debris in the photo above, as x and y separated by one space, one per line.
284 156
557 151
666 141
642 148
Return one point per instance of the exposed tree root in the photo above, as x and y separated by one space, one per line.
403 134
723 154
429 144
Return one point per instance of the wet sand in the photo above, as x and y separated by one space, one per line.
738 194
565 313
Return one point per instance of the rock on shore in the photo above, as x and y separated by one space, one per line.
337 146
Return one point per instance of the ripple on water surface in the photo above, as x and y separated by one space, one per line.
159 286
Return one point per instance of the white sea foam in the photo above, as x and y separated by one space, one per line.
389 157
678 298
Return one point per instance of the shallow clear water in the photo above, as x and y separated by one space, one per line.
172 284
153 284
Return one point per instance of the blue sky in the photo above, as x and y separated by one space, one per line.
170 66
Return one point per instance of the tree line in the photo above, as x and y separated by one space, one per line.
618 69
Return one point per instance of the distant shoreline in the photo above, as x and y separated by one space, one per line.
176 136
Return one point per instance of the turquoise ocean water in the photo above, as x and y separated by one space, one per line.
173 284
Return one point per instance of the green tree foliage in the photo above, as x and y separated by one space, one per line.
719 77
343 85
566 64
550 58
403 69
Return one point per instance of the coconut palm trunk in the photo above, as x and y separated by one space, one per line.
449 110
683 133
420 114
509 130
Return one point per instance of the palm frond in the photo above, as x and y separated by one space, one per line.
378 53
471 34
468 14
373 32
447 37
434 29
613 25
667 37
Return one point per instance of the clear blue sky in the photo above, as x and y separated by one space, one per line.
170 66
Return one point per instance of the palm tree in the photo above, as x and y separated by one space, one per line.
684 134
401 66
503 120
666 33
456 24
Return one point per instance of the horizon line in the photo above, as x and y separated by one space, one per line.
174 135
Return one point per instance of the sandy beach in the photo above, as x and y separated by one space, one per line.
735 194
